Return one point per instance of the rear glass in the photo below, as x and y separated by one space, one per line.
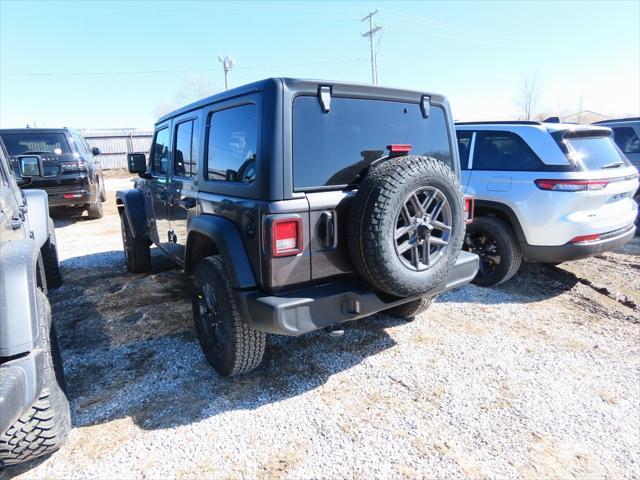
595 153
36 142
335 148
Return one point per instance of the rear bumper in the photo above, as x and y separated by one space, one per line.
577 251
20 386
78 189
303 311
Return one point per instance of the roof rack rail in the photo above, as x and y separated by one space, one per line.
614 120
500 122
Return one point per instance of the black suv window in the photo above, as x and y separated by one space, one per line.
80 145
232 144
335 148
160 152
626 139
503 151
464 145
36 142
185 159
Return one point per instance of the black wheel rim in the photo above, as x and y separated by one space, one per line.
485 245
209 317
423 229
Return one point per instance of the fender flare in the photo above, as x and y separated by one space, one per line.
227 241
509 213
132 200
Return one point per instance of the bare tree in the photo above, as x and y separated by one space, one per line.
194 87
529 95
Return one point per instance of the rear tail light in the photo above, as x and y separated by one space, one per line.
70 196
585 238
571 185
469 204
286 236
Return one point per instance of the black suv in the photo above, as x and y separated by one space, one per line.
59 161
297 205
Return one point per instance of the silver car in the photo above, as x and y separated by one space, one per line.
547 192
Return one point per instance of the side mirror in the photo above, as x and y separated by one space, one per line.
137 162
30 166
95 150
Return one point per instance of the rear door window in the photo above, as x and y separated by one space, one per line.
335 148
185 159
503 151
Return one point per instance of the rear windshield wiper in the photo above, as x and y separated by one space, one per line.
613 165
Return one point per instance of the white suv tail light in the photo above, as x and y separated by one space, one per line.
469 204
571 185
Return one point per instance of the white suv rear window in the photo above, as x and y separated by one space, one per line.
595 153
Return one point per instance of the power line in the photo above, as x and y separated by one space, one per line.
185 70
371 33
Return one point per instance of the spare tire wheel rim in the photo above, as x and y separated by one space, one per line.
423 228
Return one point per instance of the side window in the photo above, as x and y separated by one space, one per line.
626 139
160 152
503 151
79 143
185 158
464 146
232 144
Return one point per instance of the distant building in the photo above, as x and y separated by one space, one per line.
115 143
585 117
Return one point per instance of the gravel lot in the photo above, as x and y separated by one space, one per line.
536 379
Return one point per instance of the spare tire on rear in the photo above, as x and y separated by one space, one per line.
406 225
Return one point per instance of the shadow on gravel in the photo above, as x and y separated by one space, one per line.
533 283
63 217
129 349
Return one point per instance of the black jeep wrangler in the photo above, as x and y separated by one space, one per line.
59 161
297 205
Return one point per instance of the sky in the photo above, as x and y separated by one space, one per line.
101 64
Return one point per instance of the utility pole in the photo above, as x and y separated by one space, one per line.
227 64
371 33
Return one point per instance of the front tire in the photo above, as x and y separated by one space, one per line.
231 346
137 253
46 424
498 248
51 265
410 310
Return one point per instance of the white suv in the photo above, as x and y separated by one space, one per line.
548 192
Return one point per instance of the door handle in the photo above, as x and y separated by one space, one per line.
16 223
188 202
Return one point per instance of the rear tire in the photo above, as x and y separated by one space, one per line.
137 252
94 210
497 246
46 424
231 346
410 310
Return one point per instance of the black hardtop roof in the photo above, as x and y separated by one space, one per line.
616 120
299 84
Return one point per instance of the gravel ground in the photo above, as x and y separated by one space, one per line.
536 379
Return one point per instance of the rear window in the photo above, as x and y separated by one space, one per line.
36 142
335 148
594 153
